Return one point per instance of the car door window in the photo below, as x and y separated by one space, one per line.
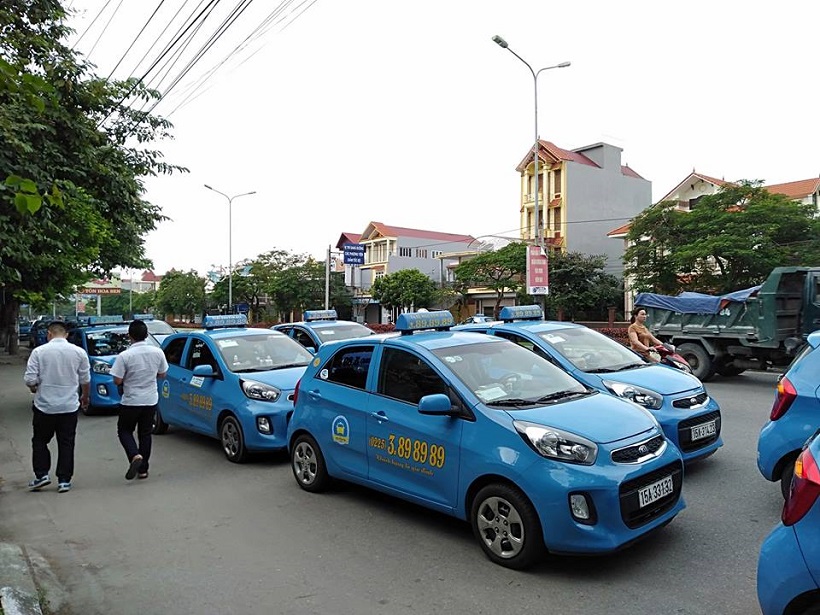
173 353
76 338
303 338
200 354
349 366
407 377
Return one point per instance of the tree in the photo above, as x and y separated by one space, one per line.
181 294
404 289
730 240
502 270
73 155
578 284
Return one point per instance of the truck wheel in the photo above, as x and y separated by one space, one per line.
730 370
702 366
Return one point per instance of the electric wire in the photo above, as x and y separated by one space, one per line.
105 27
93 21
136 38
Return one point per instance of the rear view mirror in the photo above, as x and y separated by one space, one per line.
205 371
437 404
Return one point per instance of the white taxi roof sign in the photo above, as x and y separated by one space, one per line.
313 315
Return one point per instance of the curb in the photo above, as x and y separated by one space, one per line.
18 593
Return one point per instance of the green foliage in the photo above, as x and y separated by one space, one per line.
730 240
578 285
405 289
181 294
502 270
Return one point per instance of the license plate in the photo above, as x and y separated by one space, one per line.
704 431
655 491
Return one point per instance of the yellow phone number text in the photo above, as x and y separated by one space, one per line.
408 448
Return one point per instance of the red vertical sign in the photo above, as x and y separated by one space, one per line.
537 271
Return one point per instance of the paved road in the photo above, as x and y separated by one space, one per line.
206 536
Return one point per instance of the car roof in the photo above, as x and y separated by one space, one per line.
225 332
536 326
428 340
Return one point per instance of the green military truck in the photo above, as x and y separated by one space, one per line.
755 328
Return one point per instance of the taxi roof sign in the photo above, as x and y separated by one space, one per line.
440 320
521 312
143 317
225 321
105 320
311 315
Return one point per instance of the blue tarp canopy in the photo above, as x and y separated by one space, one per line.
693 303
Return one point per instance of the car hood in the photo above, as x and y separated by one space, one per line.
284 379
659 378
600 418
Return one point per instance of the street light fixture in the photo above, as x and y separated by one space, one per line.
230 256
539 240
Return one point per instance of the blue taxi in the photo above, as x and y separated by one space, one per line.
158 328
788 569
688 415
479 428
794 416
320 326
231 382
103 338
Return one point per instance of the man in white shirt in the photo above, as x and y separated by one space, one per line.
137 369
54 373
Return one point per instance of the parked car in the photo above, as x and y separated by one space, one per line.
103 338
320 326
38 335
477 427
158 328
476 318
24 330
231 382
788 569
795 415
689 416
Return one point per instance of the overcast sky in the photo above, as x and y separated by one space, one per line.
350 111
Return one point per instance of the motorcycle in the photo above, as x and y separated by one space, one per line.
669 356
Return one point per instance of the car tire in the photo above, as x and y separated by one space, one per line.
786 478
87 410
308 464
233 440
160 427
507 527
698 359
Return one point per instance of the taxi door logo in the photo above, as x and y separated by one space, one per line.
166 389
341 430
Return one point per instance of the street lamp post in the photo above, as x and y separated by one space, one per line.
539 240
230 255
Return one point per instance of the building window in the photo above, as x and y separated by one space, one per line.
405 252
421 252
556 182
378 274
435 253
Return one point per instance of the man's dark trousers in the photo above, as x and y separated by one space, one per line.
140 418
45 426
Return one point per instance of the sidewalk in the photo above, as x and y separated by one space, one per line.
21 567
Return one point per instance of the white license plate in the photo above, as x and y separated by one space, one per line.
655 491
704 431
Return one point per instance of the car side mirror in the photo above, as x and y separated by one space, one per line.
437 404
205 371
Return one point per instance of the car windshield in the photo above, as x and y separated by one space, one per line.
508 375
159 327
107 343
263 352
342 331
591 351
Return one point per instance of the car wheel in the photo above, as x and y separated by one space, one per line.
308 464
786 478
160 427
233 442
507 526
702 366
87 410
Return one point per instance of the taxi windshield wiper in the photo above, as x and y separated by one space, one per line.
631 366
603 370
248 370
562 395
284 365
512 401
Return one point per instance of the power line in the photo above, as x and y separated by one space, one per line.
93 21
131 46
105 27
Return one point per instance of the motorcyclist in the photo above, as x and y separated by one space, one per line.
641 339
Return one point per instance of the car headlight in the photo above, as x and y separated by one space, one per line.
100 367
641 396
260 390
558 444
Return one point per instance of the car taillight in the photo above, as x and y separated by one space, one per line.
805 489
783 398
296 391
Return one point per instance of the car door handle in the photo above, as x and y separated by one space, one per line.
381 417
314 394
